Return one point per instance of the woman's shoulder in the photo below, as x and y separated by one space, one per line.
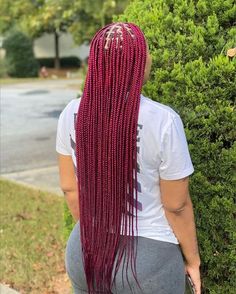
158 109
71 106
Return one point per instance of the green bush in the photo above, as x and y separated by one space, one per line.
3 70
191 73
46 61
19 55
68 221
65 62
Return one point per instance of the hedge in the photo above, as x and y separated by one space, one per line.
65 62
68 222
3 70
20 60
191 73
188 41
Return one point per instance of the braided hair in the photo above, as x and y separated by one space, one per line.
106 153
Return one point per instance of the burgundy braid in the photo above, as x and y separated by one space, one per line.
106 153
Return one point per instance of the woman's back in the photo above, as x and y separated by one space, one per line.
160 142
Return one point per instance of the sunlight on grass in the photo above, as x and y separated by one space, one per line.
31 237
9 81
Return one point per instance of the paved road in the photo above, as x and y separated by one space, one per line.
29 114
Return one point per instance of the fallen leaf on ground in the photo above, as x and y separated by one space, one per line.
24 216
37 266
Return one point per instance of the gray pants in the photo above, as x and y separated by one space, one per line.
160 267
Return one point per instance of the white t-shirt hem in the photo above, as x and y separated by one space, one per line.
61 151
179 176
163 239
151 234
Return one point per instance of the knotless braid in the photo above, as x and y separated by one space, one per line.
106 153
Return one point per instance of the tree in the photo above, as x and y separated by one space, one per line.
34 18
86 17
47 18
11 13
79 17
189 41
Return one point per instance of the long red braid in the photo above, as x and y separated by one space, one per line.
106 153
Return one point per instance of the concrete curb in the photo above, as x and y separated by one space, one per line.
6 290
44 179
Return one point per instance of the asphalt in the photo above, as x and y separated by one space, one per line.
29 115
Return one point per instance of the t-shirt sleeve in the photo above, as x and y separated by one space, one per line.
63 138
175 158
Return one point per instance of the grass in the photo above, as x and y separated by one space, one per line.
31 237
60 74
10 81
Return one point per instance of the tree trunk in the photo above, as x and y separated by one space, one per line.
57 57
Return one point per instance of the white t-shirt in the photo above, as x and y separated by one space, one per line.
162 153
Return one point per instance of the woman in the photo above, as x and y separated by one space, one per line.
124 165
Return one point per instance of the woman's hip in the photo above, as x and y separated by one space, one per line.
159 265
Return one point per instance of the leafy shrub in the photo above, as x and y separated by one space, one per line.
71 61
19 55
191 73
65 62
46 61
3 70
68 222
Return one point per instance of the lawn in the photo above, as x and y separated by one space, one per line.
75 75
9 81
31 237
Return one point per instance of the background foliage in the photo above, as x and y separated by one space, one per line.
191 73
68 221
3 70
87 16
82 18
20 61
66 62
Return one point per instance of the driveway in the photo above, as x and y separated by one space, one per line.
29 115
